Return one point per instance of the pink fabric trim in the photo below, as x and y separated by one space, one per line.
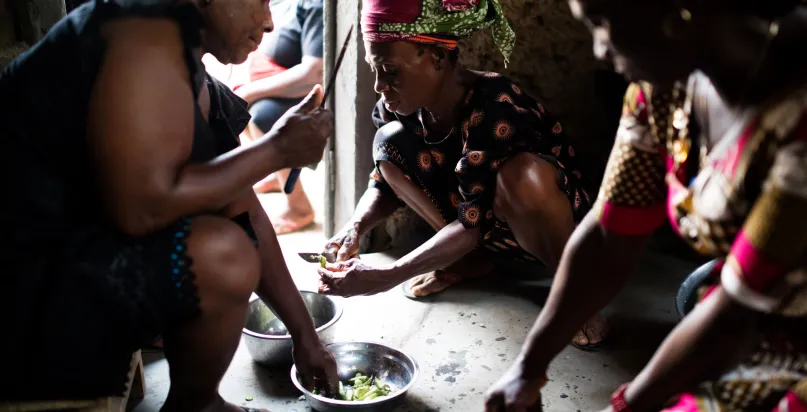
377 12
459 5
629 221
756 270
791 403
686 403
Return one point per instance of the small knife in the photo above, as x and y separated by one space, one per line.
330 257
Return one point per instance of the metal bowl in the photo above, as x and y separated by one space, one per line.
267 338
372 359
687 296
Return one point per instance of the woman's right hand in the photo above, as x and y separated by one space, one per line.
516 391
300 135
345 245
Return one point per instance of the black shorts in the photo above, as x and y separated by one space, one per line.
76 315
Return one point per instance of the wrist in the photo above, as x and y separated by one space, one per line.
531 370
304 336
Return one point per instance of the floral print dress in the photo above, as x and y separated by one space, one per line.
458 171
741 202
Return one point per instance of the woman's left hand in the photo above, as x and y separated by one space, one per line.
355 278
316 365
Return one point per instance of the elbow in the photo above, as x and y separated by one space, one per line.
136 219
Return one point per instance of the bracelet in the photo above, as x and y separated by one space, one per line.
618 402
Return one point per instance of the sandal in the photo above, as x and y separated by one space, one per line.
591 347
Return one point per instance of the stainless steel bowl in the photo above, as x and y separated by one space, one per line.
267 339
372 359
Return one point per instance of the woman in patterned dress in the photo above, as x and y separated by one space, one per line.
723 156
477 157
136 219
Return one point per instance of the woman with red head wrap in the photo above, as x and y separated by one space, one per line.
482 161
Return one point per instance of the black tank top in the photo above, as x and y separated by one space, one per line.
48 176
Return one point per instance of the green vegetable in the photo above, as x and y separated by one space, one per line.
322 261
363 388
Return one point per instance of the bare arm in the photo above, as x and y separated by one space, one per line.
293 83
141 126
717 335
594 268
448 246
374 206
277 286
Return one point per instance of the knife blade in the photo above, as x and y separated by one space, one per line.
330 257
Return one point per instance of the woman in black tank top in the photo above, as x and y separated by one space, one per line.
129 206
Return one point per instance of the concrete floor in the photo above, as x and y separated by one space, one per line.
464 338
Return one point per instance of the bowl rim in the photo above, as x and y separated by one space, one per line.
332 401
330 323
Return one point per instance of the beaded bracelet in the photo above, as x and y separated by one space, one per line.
618 402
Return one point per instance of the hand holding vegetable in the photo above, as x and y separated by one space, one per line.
354 278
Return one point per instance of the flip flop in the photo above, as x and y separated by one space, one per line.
591 347
284 226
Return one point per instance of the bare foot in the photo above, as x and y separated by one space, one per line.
430 283
593 332
293 220
270 184
474 265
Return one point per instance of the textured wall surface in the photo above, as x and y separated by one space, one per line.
553 60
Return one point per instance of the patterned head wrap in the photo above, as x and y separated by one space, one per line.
435 22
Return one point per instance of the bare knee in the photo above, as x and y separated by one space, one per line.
224 260
527 183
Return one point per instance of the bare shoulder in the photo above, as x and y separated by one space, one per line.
140 43
142 96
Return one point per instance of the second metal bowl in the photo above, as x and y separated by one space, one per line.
267 338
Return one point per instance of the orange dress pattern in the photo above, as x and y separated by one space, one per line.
458 171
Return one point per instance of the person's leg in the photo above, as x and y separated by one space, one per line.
298 213
529 199
226 271
472 265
